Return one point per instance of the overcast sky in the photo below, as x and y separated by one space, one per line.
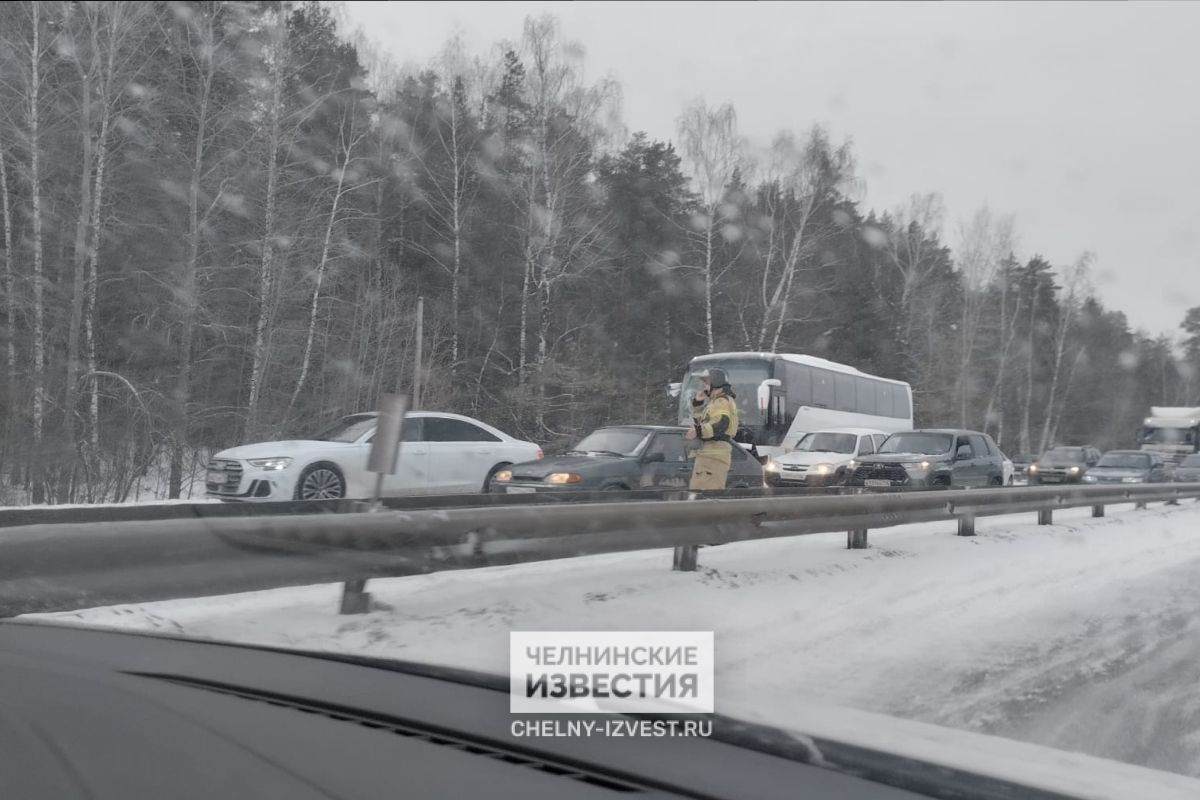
1080 119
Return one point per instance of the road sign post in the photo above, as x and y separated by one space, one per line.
385 453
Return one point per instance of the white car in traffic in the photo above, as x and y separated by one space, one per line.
439 454
822 458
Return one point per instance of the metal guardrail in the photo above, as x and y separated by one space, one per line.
67 566
49 515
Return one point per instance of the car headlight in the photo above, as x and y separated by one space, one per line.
821 469
503 475
1131 479
852 464
1089 478
922 466
772 466
270 463
1074 470
1033 468
563 477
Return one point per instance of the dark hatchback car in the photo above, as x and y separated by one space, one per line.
1128 466
1063 465
619 458
932 459
1188 470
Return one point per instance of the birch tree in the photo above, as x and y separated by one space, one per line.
984 243
106 39
1074 291
277 56
804 180
207 49
10 296
712 151
1008 316
350 137
563 225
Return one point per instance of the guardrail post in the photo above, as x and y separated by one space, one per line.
856 539
1046 516
685 558
355 600
966 525
1097 511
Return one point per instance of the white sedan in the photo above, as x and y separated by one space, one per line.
439 454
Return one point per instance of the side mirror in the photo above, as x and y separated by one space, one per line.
764 392
655 458
964 453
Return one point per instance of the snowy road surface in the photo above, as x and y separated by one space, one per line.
1084 635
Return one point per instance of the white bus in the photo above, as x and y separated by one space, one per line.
782 396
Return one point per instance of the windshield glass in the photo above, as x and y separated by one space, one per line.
1168 436
1065 455
1124 460
828 443
347 429
612 441
745 377
918 443
236 236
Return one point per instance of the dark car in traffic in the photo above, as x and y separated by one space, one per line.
1021 463
622 457
1063 465
926 459
1128 466
1188 470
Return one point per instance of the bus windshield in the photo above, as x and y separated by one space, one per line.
745 375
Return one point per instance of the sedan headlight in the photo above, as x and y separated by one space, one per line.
503 475
1132 479
563 477
1033 468
1074 470
1089 478
821 469
270 463
772 466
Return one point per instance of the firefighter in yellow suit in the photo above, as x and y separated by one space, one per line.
714 423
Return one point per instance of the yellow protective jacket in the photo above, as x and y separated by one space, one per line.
716 422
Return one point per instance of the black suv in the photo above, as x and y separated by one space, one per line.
932 459
1063 464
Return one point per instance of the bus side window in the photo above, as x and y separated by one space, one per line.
866 396
883 398
798 383
822 385
845 394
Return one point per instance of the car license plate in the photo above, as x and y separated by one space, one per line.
216 476
1051 478
520 490
877 483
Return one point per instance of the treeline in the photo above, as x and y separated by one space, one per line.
217 221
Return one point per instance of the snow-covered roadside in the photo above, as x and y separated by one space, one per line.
1003 632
